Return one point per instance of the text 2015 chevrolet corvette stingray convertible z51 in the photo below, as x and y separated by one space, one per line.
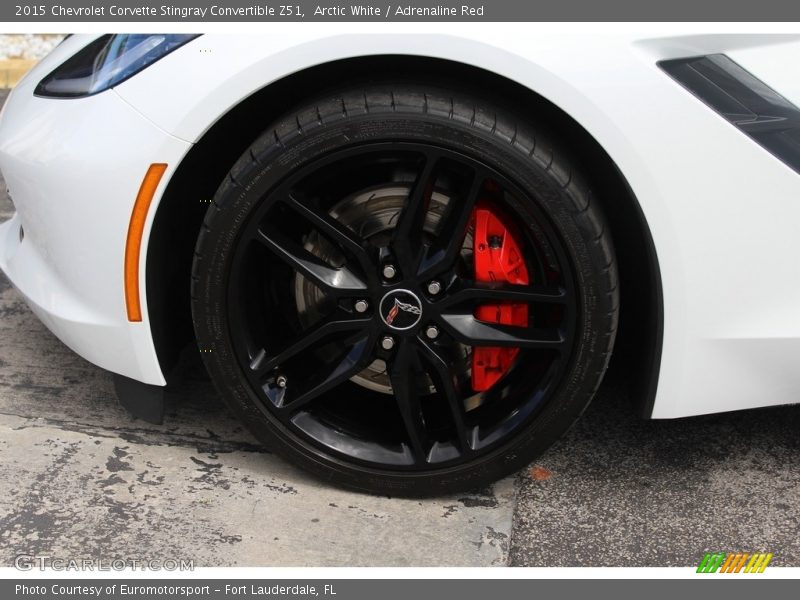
407 260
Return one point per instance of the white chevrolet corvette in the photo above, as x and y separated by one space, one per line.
407 259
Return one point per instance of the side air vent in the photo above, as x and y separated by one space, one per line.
747 102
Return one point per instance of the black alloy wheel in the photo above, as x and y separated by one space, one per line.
400 290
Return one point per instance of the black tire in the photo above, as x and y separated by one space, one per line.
551 190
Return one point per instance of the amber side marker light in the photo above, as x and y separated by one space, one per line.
133 245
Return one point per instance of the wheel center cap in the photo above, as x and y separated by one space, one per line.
400 309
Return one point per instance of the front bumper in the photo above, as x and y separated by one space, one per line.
73 169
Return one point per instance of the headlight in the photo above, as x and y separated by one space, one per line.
108 61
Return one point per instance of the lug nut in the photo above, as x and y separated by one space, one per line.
387 343
432 331
434 287
389 271
281 381
361 306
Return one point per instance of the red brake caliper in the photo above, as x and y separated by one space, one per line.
497 258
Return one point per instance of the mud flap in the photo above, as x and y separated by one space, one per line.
141 400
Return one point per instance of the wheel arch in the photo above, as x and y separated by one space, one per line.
179 215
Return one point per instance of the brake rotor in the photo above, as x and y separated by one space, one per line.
372 214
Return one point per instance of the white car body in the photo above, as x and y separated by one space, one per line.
722 211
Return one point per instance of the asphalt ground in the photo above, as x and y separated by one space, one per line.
80 478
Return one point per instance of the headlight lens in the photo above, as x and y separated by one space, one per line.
108 61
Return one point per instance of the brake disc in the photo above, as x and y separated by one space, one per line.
371 213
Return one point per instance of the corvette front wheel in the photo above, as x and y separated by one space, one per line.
405 291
